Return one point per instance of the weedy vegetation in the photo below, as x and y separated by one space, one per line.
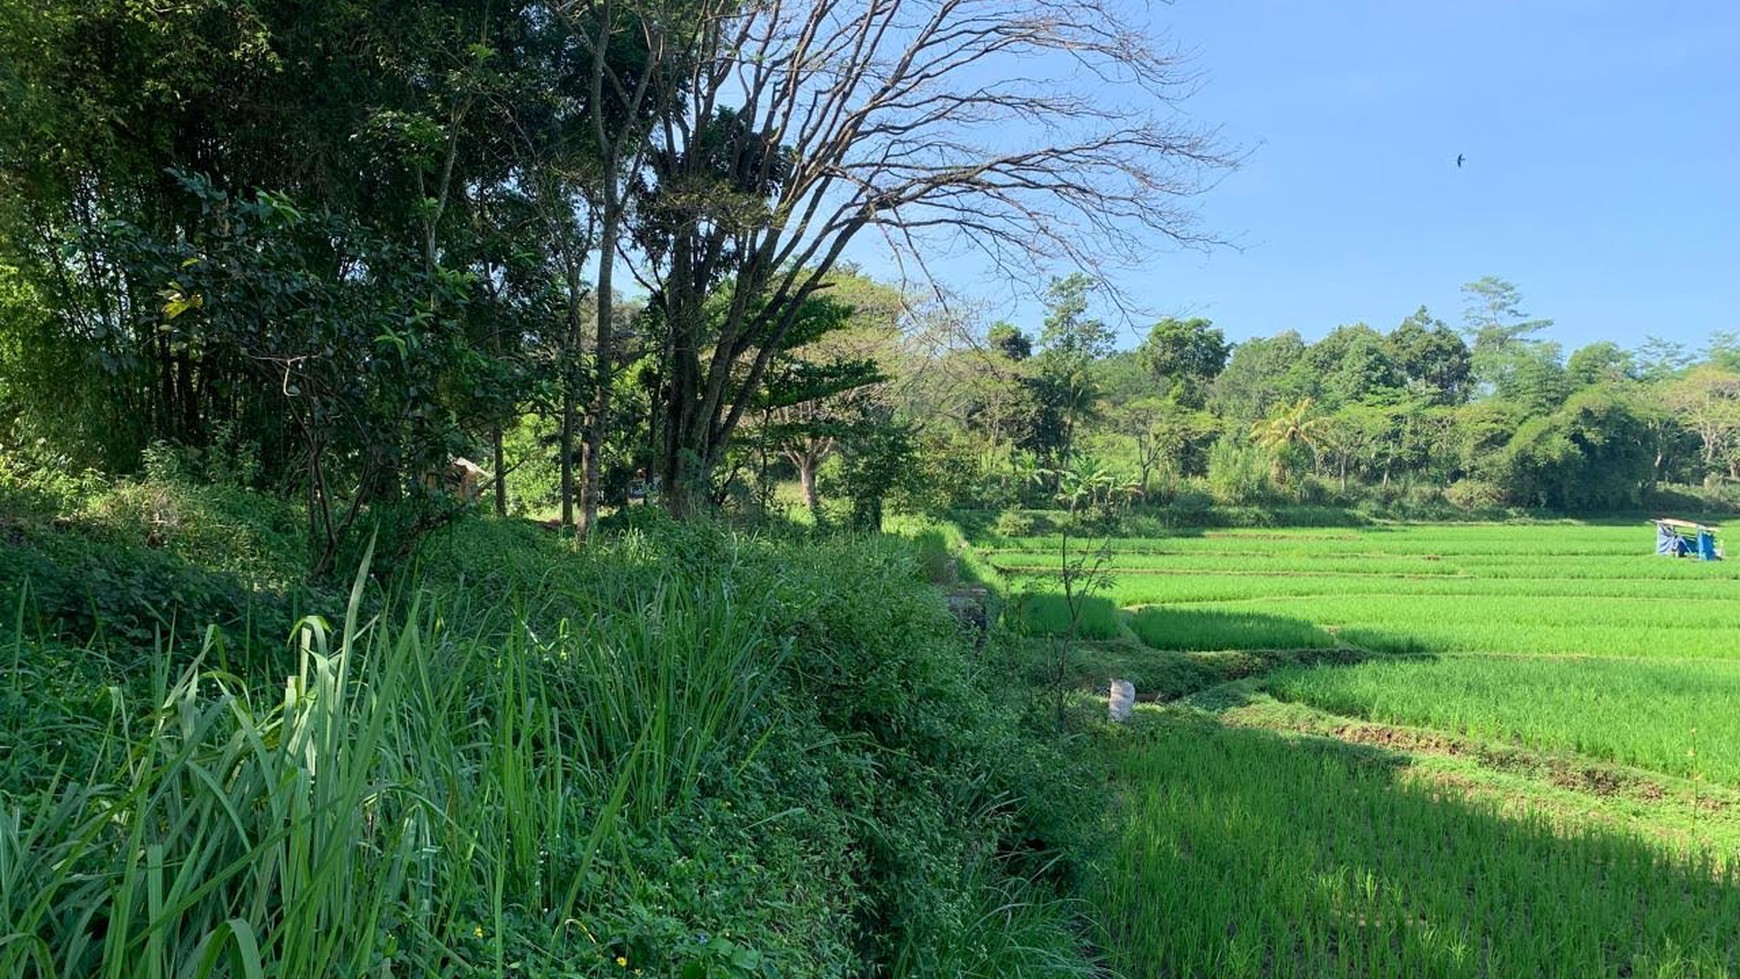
682 752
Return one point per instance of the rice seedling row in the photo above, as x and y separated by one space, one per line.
1248 852
1243 853
1677 718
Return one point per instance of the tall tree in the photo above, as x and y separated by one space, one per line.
1353 365
801 124
624 46
1708 399
1598 363
827 391
1433 360
1290 436
1184 356
1504 341
120 99
1007 339
1262 373
1493 315
1164 432
1068 332
1658 359
1063 382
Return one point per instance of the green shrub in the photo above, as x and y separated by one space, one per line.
1474 494
1026 523
1239 473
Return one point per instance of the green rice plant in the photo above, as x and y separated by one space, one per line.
1628 711
1045 614
1136 588
1240 853
1565 589
1191 629
1514 624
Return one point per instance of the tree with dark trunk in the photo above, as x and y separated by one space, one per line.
798 125
624 46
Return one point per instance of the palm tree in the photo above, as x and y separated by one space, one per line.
1287 434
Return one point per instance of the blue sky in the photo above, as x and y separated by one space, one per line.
1602 176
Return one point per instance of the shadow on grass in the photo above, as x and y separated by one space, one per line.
1242 852
1393 643
1184 629
1044 614
1166 675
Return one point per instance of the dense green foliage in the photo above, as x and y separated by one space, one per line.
1421 421
228 233
360 240
697 752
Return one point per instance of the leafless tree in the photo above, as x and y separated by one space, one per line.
1036 131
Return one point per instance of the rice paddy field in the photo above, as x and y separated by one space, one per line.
1446 750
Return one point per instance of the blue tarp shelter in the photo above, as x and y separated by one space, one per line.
1682 538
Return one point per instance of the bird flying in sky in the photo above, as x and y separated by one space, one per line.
1459 159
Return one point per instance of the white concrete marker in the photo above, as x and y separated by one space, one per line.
1123 698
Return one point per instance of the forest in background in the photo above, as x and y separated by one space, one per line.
321 250
325 248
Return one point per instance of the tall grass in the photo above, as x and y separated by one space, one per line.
412 787
275 839
701 756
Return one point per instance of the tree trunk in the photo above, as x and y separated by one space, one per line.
603 354
688 468
688 454
570 423
567 451
500 473
807 465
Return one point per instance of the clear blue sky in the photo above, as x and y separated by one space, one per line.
1603 165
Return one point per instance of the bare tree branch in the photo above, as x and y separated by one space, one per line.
1038 132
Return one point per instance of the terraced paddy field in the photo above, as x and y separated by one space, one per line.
1489 750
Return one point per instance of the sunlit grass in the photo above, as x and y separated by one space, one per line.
1564 589
1637 713
1241 853
541 763
1245 853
